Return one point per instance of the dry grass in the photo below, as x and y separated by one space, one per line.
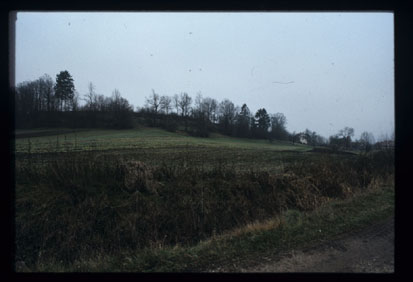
255 227
107 205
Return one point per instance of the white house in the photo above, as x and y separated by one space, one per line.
302 138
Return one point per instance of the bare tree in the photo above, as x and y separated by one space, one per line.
278 126
25 98
91 98
346 134
198 102
185 103
46 89
213 110
75 101
165 103
367 140
209 106
175 100
116 94
227 114
204 106
102 102
153 102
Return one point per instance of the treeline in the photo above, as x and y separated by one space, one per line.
48 103
366 142
203 115
56 103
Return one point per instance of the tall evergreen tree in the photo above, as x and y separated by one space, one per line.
243 122
263 123
64 89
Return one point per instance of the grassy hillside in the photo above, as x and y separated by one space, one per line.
136 138
85 195
154 146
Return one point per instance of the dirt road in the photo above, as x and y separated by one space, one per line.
368 251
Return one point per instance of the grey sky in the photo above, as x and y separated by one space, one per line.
340 65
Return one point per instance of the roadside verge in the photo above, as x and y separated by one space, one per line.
245 246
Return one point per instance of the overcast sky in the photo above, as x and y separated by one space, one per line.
324 71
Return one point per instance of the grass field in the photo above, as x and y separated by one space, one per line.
154 146
143 138
142 191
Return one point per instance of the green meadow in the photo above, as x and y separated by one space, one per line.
143 138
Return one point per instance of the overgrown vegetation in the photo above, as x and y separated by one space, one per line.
83 205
